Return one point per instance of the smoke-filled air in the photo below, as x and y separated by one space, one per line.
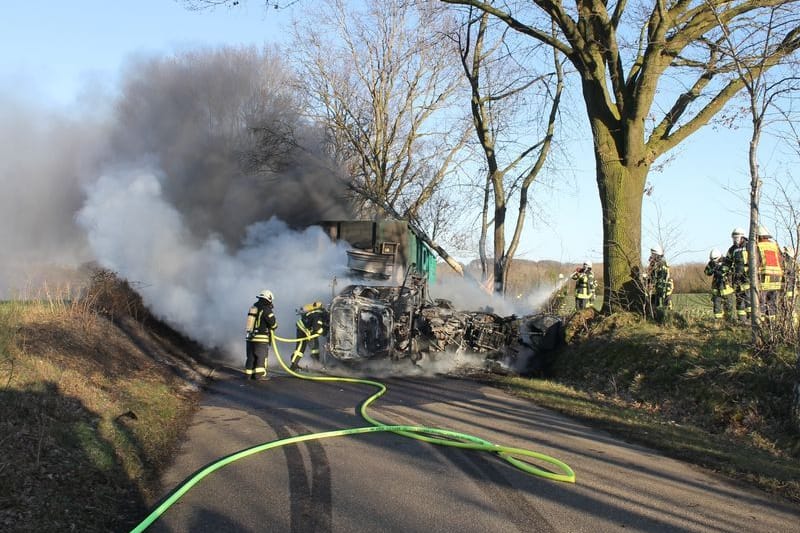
196 181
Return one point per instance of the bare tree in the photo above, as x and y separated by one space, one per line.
499 90
750 43
199 5
767 84
624 52
383 83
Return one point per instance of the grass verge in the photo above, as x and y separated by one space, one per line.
88 418
694 392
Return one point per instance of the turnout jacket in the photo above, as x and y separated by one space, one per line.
737 263
314 321
261 321
720 281
585 284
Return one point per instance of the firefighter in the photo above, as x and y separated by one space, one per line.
261 323
585 286
313 321
721 288
770 273
736 259
658 282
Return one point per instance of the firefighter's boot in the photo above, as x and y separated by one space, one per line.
295 359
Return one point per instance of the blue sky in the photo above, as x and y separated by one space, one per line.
51 50
57 46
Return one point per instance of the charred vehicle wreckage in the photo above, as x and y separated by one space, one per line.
373 322
391 316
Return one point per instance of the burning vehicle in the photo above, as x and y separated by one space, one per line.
393 318
369 322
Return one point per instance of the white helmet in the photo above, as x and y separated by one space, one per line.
265 295
656 250
736 233
714 254
763 231
587 264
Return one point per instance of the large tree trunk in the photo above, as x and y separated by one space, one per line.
621 188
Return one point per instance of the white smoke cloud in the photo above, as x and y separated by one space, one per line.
467 295
200 286
46 155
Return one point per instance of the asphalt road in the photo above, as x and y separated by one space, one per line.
386 482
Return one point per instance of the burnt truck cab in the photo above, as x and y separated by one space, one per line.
391 317
369 322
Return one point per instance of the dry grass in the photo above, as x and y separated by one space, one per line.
696 392
87 415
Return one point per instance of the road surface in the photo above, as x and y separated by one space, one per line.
385 482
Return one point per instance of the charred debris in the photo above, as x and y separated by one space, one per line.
393 319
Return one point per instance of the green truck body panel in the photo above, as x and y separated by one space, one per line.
383 249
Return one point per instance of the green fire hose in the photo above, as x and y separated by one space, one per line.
443 437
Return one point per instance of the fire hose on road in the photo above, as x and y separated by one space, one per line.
442 437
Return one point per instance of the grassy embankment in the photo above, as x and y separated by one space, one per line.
693 390
94 395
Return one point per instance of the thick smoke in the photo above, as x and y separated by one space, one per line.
468 295
226 130
201 286
196 183
47 156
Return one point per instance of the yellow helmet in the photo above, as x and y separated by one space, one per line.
312 306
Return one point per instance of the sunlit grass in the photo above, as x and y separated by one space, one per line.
85 416
695 392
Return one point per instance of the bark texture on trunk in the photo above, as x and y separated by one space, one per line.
620 181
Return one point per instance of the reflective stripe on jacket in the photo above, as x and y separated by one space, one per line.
720 284
584 284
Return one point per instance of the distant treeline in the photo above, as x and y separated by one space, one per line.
526 276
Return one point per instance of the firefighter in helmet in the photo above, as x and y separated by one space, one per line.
736 259
312 323
585 285
261 323
658 282
770 273
721 288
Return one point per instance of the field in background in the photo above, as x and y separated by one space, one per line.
692 286
526 276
